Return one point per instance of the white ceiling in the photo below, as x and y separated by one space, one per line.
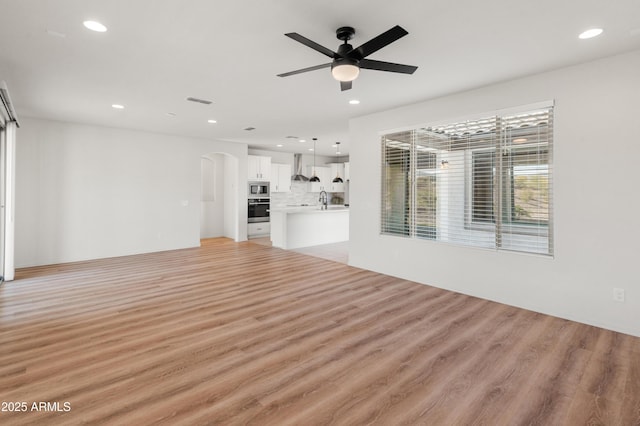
156 53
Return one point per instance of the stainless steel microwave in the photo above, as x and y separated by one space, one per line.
258 189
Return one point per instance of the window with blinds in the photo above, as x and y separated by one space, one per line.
482 183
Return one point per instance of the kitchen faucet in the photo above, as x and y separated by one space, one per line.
323 200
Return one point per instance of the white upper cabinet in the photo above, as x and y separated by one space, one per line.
280 178
337 187
259 167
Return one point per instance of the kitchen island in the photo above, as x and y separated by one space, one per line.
295 227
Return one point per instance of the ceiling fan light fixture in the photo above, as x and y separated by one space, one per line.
347 60
345 71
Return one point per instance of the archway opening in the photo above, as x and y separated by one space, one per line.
219 196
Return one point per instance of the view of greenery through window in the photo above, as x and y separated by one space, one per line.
426 195
526 187
531 194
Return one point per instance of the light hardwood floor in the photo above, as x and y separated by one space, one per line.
239 333
337 252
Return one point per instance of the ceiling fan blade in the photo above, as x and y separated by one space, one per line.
312 44
300 71
345 85
380 41
370 64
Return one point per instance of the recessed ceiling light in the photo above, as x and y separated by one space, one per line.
593 32
117 106
95 26
310 149
211 121
354 102
334 145
302 140
338 152
279 145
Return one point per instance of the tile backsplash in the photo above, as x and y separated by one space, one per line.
296 197
299 195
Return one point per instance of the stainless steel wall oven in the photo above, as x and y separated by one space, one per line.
258 209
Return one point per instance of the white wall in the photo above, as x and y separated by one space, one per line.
596 199
85 192
234 222
287 158
276 157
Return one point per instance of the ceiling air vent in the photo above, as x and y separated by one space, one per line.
249 129
200 101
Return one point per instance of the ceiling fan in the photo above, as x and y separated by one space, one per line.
347 61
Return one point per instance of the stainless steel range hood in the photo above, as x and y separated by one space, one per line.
297 167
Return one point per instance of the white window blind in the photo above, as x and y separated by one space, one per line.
396 188
483 183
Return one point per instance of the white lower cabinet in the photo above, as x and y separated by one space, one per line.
260 229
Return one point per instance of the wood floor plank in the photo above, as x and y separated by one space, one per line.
241 333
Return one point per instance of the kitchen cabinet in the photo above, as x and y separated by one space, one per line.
336 187
259 167
259 229
346 171
280 177
324 174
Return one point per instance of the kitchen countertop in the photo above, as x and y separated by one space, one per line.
308 209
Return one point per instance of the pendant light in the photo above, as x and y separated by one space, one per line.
314 178
337 179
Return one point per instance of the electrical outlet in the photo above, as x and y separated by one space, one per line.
618 294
